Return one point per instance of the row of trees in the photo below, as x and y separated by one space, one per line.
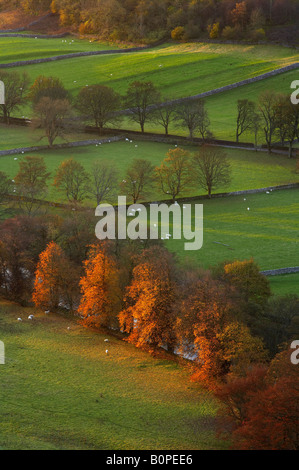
179 173
136 19
225 318
274 115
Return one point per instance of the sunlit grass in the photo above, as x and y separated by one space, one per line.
59 390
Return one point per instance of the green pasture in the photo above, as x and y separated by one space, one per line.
286 284
267 232
250 169
178 70
59 390
14 49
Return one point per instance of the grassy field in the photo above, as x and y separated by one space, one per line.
286 284
268 232
18 136
250 170
18 48
178 70
59 390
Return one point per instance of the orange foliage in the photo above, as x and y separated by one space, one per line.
100 288
148 317
48 277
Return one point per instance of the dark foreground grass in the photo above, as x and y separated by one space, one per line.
59 390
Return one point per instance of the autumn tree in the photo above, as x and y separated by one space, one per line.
240 14
56 280
22 238
100 302
140 96
245 276
245 117
104 181
72 179
100 103
211 169
31 182
148 316
272 413
138 180
16 86
47 87
206 328
54 116
174 174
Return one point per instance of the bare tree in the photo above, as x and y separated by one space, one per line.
174 174
287 120
138 180
164 115
104 181
16 86
73 180
211 169
194 116
54 116
268 109
100 103
245 117
31 182
140 96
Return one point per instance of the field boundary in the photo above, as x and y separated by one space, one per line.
79 143
187 199
74 55
161 138
280 271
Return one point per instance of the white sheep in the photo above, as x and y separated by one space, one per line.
106 340
20 319
30 317
107 352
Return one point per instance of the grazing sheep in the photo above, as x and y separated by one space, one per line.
30 317
107 352
47 312
106 340
20 319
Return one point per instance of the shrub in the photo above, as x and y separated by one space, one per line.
258 34
229 33
213 30
178 33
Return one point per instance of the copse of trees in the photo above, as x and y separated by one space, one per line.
142 293
135 20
